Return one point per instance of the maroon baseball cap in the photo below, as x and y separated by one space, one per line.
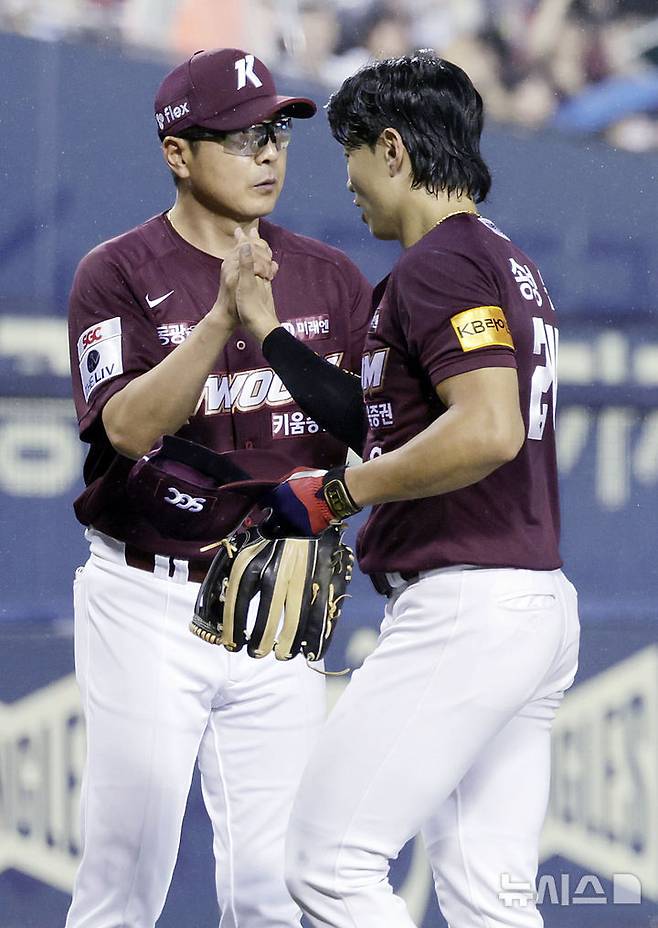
223 89
177 486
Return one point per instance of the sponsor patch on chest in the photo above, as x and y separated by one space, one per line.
175 333
380 415
482 327
287 424
99 354
308 328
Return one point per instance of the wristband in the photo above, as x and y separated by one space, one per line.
337 497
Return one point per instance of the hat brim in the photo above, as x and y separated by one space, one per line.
255 111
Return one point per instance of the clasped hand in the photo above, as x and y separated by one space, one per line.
246 284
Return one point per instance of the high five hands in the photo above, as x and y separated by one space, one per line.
246 283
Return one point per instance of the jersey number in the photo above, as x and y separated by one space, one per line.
544 378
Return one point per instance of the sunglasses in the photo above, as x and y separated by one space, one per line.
246 142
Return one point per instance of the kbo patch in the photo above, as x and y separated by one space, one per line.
482 327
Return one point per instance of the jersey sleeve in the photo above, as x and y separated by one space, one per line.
451 314
110 339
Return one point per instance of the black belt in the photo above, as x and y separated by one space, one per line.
382 584
144 560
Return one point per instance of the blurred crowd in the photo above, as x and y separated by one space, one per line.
582 66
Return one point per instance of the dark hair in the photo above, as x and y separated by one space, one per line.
435 108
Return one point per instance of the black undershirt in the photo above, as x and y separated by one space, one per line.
330 395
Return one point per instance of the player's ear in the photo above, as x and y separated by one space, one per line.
175 152
394 150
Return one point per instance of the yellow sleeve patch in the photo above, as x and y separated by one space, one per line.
482 327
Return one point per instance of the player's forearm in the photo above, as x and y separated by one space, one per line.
454 452
161 400
330 395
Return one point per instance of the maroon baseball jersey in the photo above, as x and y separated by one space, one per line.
463 297
138 296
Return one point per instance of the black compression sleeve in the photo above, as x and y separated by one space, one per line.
330 395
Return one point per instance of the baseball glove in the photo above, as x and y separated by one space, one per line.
301 582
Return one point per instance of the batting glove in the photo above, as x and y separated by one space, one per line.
308 501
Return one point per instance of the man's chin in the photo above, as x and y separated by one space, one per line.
258 210
384 235
377 231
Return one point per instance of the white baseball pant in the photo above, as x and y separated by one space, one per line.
154 697
445 729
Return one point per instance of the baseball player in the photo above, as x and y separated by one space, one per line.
156 350
445 729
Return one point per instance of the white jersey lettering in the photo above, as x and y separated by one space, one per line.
544 377
247 391
372 369
255 389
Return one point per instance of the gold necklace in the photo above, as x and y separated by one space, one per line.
457 212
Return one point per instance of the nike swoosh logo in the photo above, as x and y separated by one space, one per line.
160 299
